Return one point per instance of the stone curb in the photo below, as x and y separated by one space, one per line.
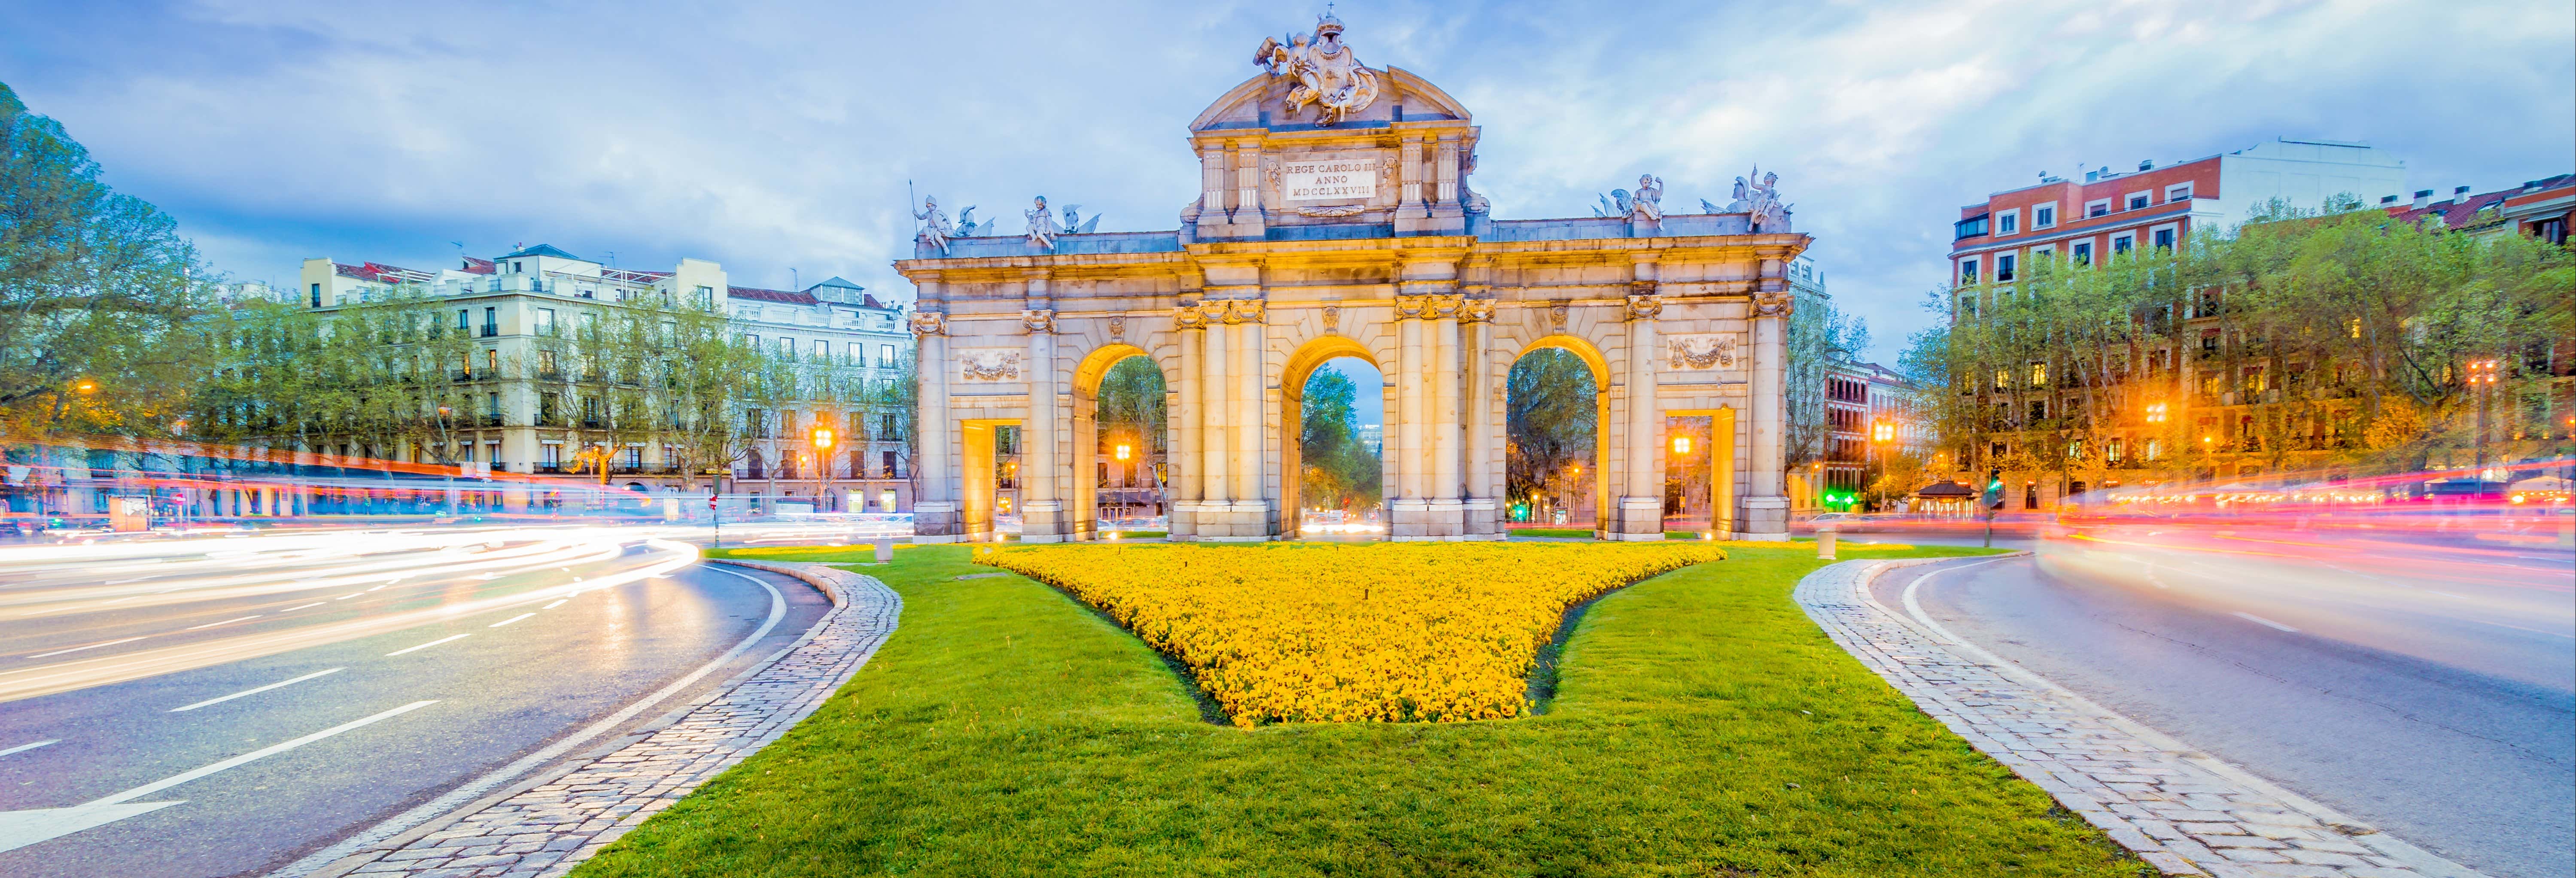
544 826
2182 811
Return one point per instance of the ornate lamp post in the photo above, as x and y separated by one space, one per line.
822 443
2482 380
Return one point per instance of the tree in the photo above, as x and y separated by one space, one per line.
1339 471
1819 335
106 318
1550 418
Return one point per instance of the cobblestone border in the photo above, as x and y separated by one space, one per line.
544 827
2182 811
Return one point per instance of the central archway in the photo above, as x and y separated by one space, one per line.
1301 369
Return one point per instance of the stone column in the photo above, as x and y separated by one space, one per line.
1484 433
1244 328
1042 518
1447 442
1247 182
1215 442
1187 465
1641 508
1766 505
935 514
1404 428
1445 170
1409 180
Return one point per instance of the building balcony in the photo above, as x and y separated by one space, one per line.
492 420
490 330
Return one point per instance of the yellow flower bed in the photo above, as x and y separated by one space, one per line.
1401 632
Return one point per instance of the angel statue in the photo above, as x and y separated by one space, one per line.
935 230
1073 222
1763 202
1614 205
968 228
1648 204
1042 228
1329 75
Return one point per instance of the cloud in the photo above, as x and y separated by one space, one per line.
776 135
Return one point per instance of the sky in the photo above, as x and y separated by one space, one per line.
783 139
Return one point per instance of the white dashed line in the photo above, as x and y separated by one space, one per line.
79 648
255 691
509 620
224 622
22 748
554 605
305 607
427 645
349 595
2265 622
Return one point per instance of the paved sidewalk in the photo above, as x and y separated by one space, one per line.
2184 812
553 825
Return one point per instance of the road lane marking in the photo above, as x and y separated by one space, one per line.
224 622
255 691
22 748
509 620
79 648
252 756
428 645
348 596
554 605
305 607
2258 620
377 587
478 787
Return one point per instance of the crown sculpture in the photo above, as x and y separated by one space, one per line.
1329 75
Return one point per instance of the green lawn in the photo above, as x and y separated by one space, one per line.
1702 726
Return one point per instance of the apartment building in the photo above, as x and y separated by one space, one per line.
514 306
1869 414
2109 212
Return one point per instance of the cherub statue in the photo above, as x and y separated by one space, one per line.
968 228
1042 227
1648 204
935 230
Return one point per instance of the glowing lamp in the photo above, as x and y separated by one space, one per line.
822 437
1681 445
1124 452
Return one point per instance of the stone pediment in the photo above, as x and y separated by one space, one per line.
1260 103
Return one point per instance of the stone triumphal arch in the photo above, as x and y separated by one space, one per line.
1334 218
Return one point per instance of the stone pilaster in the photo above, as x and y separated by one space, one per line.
935 513
1448 443
1042 470
1249 516
1215 440
1483 512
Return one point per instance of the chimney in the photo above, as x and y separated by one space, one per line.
2147 165
2387 201
2460 195
2423 197
2091 176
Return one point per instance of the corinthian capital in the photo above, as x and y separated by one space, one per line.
1244 311
1189 317
1644 306
1476 311
1773 303
1446 307
1038 321
1412 307
928 323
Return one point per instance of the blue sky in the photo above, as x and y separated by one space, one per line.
779 135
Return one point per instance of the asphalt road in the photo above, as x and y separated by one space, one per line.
2426 692
331 688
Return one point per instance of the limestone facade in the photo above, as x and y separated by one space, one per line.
1319 236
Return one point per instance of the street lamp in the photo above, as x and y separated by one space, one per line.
1881 432
822 441
2155 413
1681 445
2482 379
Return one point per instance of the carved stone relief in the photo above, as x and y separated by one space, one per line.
1776 303
1037 321
990 364
1645 307
1118 327
1697 352
1332 318
1556 315
928 323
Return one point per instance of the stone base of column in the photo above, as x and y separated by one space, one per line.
1408 520
1766 518
1483 520
1448 519
1044 521
936 522
1183 524
1637 519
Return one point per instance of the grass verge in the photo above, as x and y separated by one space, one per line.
1700 726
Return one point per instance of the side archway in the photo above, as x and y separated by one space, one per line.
1135 480
1599 367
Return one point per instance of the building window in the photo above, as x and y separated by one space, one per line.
1968 307
2008 223
2084 253
1970 228
1967 272
786 348
822 351
317 295
2122 244
2004 266
550 455
2039 374
2177 192
2111 449
2030 495
2097 208
858 354
889 469
491 322
464 320
2164 239
885 356
2038 410
546 321
2043 217
2138 201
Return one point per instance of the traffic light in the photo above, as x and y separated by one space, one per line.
1994 489
711 502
